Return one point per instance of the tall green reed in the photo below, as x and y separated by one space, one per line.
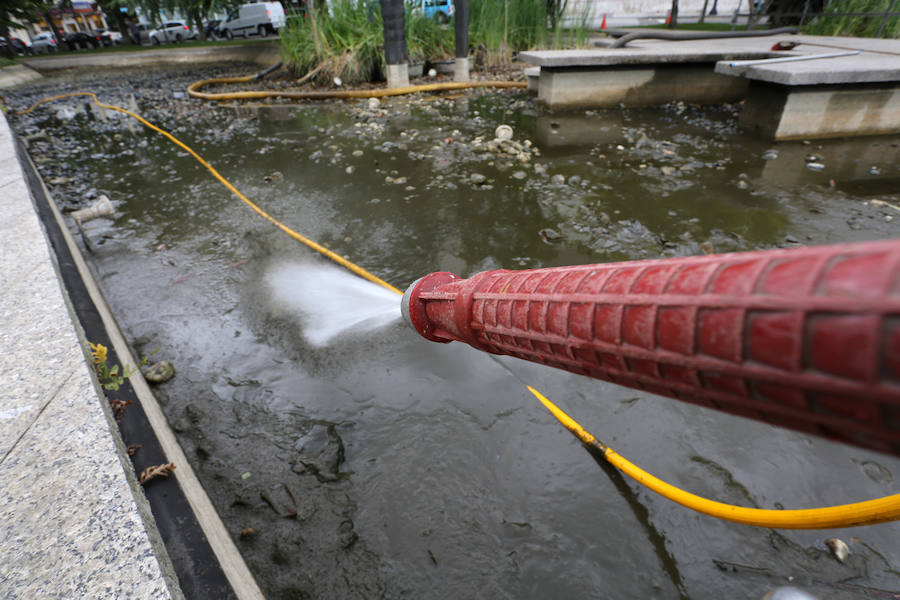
857 26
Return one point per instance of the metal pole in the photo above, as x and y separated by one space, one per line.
392 13
461 33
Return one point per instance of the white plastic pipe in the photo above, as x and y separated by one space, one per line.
769 61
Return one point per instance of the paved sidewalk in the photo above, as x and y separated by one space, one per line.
74 522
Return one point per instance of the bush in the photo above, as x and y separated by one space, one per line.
345 41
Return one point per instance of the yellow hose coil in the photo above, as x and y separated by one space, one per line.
847 515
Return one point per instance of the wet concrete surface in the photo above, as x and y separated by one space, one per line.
385 466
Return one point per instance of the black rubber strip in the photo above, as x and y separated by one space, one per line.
197 568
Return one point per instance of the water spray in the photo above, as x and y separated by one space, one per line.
805 338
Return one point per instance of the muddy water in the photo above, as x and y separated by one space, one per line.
380 465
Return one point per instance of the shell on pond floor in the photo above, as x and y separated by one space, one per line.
159 372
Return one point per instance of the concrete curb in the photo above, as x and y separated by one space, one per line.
17 75
264 53
73 520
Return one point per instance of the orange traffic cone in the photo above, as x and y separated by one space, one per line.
603 24
669 18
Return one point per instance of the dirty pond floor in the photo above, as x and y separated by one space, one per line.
382 466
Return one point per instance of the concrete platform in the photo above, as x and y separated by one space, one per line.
644 73
74 522
823 97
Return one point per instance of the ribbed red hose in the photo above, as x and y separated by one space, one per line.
805 338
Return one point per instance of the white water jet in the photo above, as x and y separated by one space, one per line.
329 301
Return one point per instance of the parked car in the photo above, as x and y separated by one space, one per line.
20 47
108 37
44 42
259 19
171 31
79 39
441 10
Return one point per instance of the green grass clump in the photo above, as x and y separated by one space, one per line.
347 43
500 28
428 39
347 40
830 24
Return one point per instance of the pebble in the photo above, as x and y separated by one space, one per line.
815 166
550 235
667 170
742 185
558 179
358 153
349 170
770 155
477 178
874 170
373 103
520 175
838 548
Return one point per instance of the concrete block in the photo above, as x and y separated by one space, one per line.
636 86
398 75
786 113
461 68
533 74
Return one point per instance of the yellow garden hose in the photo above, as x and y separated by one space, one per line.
300 238
194 90
870 512
847 515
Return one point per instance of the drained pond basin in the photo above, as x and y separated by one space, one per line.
374 464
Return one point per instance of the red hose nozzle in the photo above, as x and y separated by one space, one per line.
806 338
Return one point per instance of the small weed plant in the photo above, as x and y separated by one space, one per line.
109 376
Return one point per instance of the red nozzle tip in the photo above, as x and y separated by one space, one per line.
413 307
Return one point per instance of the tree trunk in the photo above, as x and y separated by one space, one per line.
4 31
198 23
461 29
392 13
703 11
673 15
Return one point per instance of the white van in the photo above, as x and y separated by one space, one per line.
259 19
